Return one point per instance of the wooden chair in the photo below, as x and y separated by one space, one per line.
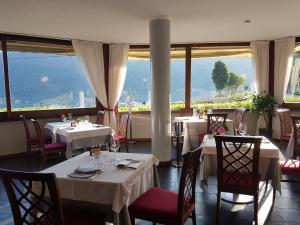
296 135
30 206
47 149
286 125
122 132
239 116
166 207
100 117
32 142
237 168
215 121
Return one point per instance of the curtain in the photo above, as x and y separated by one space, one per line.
90 55
295 75
260 61
118 58
284 52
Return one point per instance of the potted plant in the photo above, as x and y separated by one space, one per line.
264 105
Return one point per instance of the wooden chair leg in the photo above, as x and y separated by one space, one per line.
153 223
132 220
274 196
218 208
256 209
126 147
194 217
266 188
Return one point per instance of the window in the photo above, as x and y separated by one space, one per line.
229 89
2 84
137 88
293 89
46 76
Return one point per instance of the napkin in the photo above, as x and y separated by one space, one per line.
130 163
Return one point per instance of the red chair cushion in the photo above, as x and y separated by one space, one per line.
158 202
290 166
35 140
120 138
55 146
83 218
238 180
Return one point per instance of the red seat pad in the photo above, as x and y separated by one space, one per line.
55 146
47 139
157 202
239 180
290 165
120 138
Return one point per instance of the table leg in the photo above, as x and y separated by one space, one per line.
177 164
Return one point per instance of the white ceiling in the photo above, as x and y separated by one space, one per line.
127 20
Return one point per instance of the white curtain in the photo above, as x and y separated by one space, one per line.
118 58
90 55
284 52
295 75
260 61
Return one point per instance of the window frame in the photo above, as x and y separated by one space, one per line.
188 66
53 113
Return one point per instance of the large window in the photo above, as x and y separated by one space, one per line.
221 77
2 84
293 89
46 76
136 94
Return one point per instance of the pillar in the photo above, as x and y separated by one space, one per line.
160 93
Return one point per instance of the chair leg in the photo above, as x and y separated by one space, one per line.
153 223
256 209
218 208
194 217
266 188
126 147
132 220
274 196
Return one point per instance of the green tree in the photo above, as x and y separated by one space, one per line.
234 81
220 75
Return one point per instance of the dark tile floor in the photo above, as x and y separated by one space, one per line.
285 212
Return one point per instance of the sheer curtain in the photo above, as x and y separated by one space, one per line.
90 55
118 58
260 61
284 52
295 75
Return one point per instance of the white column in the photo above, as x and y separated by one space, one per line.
160 100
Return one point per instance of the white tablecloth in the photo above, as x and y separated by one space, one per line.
192 128
84 135
268 163
115 187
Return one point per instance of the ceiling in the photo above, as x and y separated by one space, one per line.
127 21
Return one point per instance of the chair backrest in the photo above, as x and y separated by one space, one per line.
237 162
39 132
123 122
215 121
286 124
100 117
239 116
26 128
296 135
29 198
186 196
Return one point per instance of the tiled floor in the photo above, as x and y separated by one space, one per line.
285 212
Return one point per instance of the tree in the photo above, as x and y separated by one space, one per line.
234 81
220 75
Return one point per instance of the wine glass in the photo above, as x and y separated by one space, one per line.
243 128
86 118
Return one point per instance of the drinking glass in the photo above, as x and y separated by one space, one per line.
86 118
243 128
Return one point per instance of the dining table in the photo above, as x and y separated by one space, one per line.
113 187
192 127
84 135
269 168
